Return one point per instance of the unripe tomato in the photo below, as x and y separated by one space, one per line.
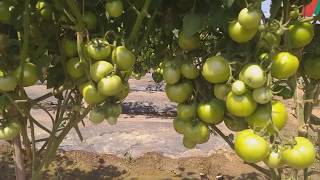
211 112
301 155
253 75
262 95
74 69
238 87
198 133
249 19
44 9
180 92
96 116
5 13
171 75
157 77
123 93
187 112
269 39
188 143
239 34
179 125
241 105
189 43
311 67
91 95
235 124
189 71
110 86
112 110
216 69
30 74
251 147
90 20
264 117
301 34
112 121
124 58
8 83
100 69
284 65
98 49
10 130
274 159
69 47
114 8
221 91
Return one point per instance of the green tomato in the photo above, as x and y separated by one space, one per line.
110 86
274 159
211 112
189 43
100 69
251 147
187 112
301 155
171 75
235 124
180 125
112 110
8 83
123 92
189 71
90 20
239 34
241 105
311 67
96 116
262 95
74 68
124 58
69 47
180 92
188 143
10 131
253 75
284 65
30 74
221 91
198 133
44 9
114 8
238 87
91 94
301 34
98 49
249 19
216 69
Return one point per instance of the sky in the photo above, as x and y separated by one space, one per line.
266 7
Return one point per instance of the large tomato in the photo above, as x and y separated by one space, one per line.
311 67
253 75
284 65
249 18
240 34
180 92
187 112
74 69
69 47
189 42
264 117
211 112
98 49
10 130
112 110
216 69
90 20
198 133
123 92
44 9
189 71
241 105
91 94
96 116
301 34
235 124
171 74
110 86
114 8
5 13
221 91
301 155
188 143
274 159
262 95
100 69
30 74
251 147
8 83
123 58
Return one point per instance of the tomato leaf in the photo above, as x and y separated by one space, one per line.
192 23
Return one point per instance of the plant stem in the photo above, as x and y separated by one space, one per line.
18 159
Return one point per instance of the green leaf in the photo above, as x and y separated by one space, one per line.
192 23
228 3
216 17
